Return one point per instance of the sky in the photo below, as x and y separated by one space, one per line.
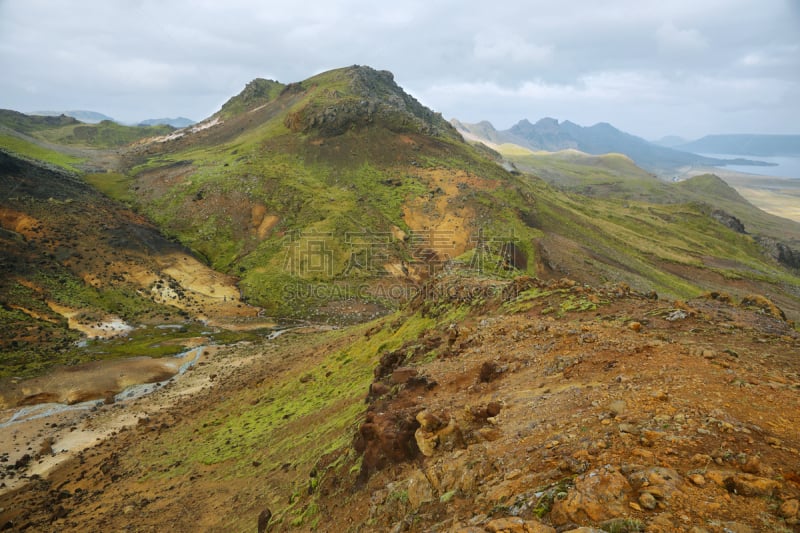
652 68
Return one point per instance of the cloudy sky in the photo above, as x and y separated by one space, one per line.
653 68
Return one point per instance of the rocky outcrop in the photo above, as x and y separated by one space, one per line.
728 220
781 252
764 305
372 97
597 496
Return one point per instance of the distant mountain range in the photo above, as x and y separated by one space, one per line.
549 134
93 117
178 122
746 144
89 117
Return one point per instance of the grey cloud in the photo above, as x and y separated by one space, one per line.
684 67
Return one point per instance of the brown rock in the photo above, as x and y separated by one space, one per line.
426 441
789 509
490 434
489 371
718 476
483 412
515 524
419 490
655 483
662 524
598 495
263 520
697 479
752 466
378 389
403 374
462 473
538 527
617 407
750 485
701 459
647 500
736 527
429 421
649 437
386 438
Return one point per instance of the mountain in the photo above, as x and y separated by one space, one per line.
68 135
602 138
343 184
88 117
179 122
465 345
390 190
614 176
671 141
752 145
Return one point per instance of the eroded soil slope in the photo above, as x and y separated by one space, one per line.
523 406
74 263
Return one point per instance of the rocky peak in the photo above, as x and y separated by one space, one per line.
358 96
257 92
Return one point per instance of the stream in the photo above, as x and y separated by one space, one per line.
27 413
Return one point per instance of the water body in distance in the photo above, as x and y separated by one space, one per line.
783 166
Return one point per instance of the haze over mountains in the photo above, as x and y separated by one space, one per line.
745 144
93 117
549 134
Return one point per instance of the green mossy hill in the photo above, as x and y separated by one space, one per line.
616 177
603 176
347 156
106 134
711 185
52 132
343 155
23 123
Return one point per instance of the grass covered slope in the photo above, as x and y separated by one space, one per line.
343 188
76 265
386 185
67 131
335 197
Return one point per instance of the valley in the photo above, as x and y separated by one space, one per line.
382 326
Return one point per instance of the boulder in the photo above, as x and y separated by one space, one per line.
659 482
514 524
597 496
419 490
789 509
750 485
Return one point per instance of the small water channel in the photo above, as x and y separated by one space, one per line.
133 374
